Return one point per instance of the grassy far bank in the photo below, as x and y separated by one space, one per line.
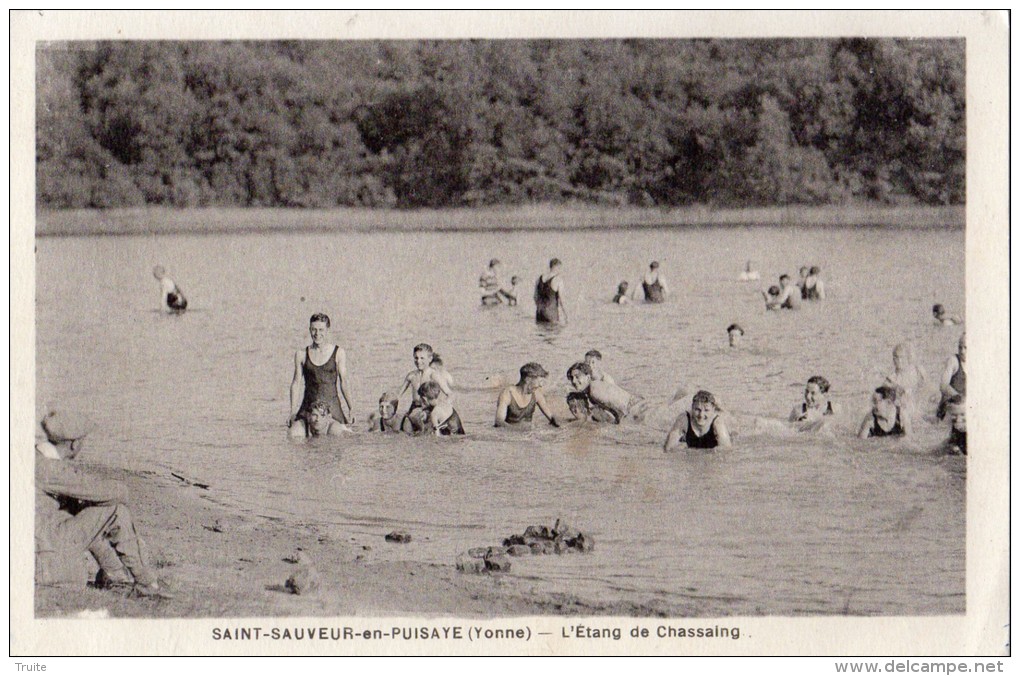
137 221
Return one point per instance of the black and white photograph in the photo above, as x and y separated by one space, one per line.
510 334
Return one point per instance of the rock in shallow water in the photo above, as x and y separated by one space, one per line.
398 536
469 564
304 581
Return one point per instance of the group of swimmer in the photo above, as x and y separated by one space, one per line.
319 395
788 295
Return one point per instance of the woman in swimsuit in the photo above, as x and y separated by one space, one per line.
811 414
321 371
886 417
443 418
654 285
954 377
549 308
701 427
517 403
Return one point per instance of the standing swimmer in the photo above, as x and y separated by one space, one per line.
321 368
654 285
172 298
549 308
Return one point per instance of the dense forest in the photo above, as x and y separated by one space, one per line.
482 122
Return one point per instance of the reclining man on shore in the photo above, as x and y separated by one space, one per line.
76 512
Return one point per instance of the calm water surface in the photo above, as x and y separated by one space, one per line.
778 525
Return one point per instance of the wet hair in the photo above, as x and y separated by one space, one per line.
319 317
623 286
429 390
436 359
938 308
888 392
578 404
704 397
579 366
320 407
735 327
593 353
815 270
821 382
773 290
422 347
654 265
782 277
554 262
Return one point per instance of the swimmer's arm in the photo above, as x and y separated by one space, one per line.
501 406
820 289
341 369
434 421
557 286
677 433
795 413
721 433
865 429
295 388
335 430
906 424
544 408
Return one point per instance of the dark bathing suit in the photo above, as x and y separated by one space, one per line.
320 385
709 440
547 302
176 301
810 292
518 414
959 383
451 425
876 431
959 440
803 411
654 293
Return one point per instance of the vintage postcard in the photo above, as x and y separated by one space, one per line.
544 333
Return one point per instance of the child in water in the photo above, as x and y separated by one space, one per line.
700 427
621 297
735 333
886 418
443 419
173 299
816 409
907 377
385 418
593 358
942 317
416 418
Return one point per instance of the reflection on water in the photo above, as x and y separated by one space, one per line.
779 525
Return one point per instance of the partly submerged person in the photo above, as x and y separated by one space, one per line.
700 427
942 316
954 377
735 334
549 307
416 417
789 294
320 423
886 418
604 397
320 370
510 295
443 419
491 284
385 418
907 377
816 409
654 285
621 297
593 358
517 403
813 287
957 413
749 274
172 298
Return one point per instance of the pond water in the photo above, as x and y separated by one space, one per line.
779 525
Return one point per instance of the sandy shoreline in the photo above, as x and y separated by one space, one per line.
139 221
219 563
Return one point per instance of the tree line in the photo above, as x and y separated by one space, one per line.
484 122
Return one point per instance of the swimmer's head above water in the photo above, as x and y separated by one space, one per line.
159 272
883 401
429 392
532 374
579 375
815 391
319 418
423 355
318 328
654 265
387 406
735 333
704 408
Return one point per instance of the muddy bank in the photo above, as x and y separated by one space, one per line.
540 217
222 564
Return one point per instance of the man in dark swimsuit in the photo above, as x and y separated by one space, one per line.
885 418
529 388
549 308
654 285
